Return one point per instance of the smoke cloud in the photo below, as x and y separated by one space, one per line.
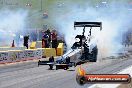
115 18
12 26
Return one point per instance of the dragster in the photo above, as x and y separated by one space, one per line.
80 52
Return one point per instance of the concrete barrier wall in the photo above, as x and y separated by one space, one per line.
15 55
41 50
39 44
4 56
20 54
60 49
30 53
12 48
39 53
33 45
47 52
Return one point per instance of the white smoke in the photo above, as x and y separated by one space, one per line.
12 25
116 19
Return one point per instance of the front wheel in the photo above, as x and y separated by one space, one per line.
93 60
56 68
38 63
66 68
94 54
51 67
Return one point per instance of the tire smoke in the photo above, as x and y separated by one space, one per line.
115 22
12 26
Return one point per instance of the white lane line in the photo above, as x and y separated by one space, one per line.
124 71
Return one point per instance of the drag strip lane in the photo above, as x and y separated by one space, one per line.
40 77
8 82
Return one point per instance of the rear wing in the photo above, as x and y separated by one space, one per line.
88 24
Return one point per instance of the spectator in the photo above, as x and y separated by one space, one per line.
26 38
49 39
46 37
43 43
54 39
13 44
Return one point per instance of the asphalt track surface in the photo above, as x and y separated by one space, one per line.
29 75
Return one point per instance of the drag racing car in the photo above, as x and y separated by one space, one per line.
80 52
